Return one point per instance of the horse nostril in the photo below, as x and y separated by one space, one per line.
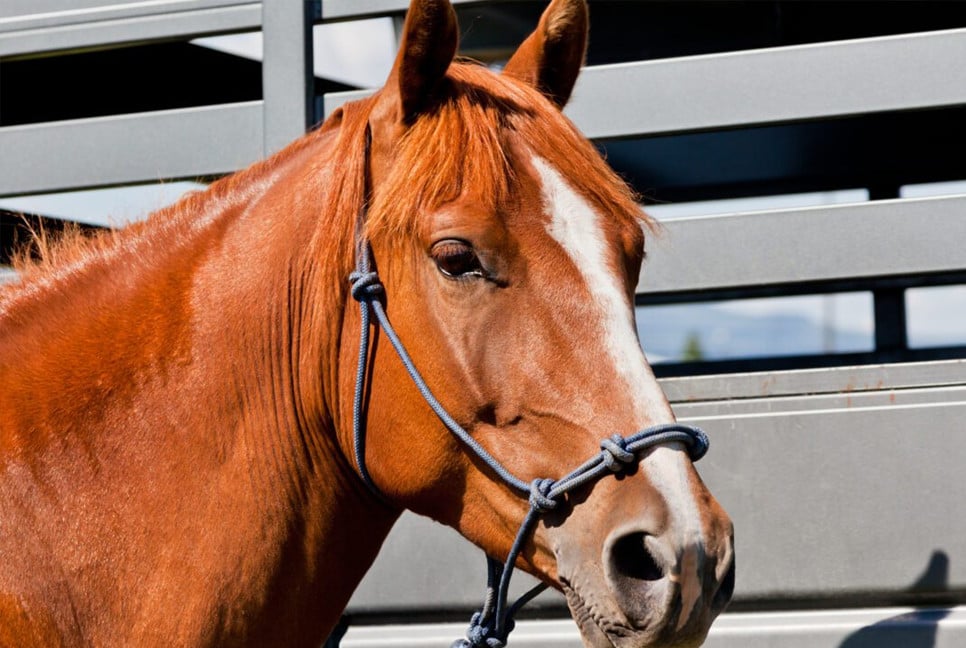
631 558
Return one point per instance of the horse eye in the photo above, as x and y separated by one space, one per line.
456 259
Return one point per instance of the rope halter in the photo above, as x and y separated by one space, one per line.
491 625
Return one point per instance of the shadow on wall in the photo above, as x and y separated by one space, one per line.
916 629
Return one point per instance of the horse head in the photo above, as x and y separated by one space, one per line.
509 255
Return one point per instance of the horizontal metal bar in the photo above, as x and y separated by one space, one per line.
793 405
876 239
143 147
333 100
21 16
342 9
764 86
847 380
772 85
30 14
891 627
29 30
14 8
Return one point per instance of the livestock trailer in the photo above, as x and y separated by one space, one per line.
805 296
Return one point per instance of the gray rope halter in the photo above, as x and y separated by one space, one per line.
490 626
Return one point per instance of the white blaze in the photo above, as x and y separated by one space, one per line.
575 226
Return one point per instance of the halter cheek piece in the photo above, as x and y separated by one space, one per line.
491 625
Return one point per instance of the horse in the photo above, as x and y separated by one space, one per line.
178 397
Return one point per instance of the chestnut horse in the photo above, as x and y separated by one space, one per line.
176 398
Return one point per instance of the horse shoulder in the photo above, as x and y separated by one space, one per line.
25 627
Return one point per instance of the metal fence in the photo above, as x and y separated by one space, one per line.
844 474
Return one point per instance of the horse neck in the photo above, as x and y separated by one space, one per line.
201 380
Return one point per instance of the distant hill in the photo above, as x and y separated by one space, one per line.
719 333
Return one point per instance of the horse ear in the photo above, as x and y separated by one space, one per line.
430 37
550 58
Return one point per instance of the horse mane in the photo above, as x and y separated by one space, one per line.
46 259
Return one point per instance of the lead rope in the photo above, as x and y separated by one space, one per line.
490 626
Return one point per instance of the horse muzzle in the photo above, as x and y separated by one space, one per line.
649 580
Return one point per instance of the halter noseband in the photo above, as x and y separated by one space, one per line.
490 626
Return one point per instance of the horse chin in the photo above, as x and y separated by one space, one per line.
602 625
591 632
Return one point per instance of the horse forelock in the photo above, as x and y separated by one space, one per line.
465 147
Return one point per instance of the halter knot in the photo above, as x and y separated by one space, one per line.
539 495
615 454
477 635
365 285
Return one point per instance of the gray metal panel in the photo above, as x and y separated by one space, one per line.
129 148
333 100
882 628
765 86
28 29
35 14
772 85
849 380
341 9
796 405
882 238
427 566
843 502
287 82
13 8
